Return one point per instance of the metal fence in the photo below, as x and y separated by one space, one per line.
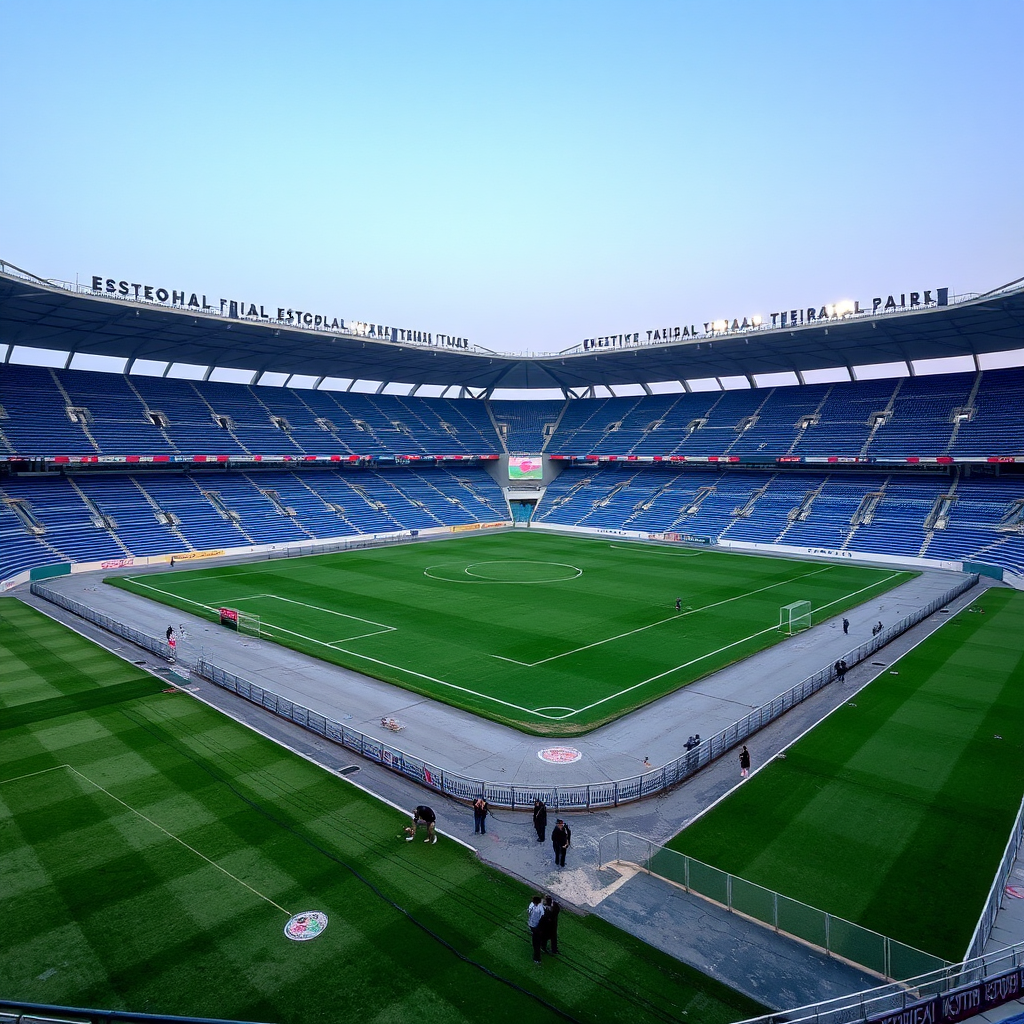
586 796
155 645
897 1000
998 891
879 954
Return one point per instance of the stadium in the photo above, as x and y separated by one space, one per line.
308 543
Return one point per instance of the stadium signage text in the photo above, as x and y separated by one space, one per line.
781 318
239 309
959 1004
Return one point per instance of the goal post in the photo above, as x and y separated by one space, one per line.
795 617
245 623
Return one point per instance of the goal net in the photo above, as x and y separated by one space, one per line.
248 625
244 622
795 617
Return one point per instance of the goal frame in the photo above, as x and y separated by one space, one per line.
249 624
795 617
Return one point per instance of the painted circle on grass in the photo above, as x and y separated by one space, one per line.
512 571
559 755
305 926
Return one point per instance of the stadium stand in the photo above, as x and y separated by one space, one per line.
881 502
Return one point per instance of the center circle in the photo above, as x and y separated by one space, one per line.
522 571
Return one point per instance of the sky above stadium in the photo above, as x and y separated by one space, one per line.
523 175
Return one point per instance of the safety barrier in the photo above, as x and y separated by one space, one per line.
878 954
155 645
585 796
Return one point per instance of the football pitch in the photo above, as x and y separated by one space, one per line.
894 812
152 852
550 634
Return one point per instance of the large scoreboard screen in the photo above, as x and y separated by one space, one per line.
525 467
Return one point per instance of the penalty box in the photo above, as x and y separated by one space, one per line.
281 613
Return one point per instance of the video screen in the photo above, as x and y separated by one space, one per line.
525 467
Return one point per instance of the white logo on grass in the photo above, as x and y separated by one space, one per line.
307 925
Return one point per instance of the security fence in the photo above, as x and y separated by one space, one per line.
946 996
585 796
878 954
998 891
581 797
155 645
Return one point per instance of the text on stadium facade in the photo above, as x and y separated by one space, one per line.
240 310
802 315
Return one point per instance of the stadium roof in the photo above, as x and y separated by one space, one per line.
54 316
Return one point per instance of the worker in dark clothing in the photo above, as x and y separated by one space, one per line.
561 837
549 925
540 819
423 815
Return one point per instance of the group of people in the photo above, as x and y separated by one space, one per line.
840 669
542 917
877 628
561 834
693 741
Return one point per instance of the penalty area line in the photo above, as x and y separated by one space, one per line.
670 618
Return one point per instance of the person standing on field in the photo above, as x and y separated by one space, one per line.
479 815
534 918
540 819
561 837
846 625
549 924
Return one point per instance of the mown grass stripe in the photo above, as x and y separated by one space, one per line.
70 704
894 812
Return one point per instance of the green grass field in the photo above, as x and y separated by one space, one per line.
895 811
151 851
552 635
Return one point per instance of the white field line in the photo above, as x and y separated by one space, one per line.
694 661
164 593
32 775
159 828
655 547
539 712
333 644
375 661
382 628
660 622
330 611
442 682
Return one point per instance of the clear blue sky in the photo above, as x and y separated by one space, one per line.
522 174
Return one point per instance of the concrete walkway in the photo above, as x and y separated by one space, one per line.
778 972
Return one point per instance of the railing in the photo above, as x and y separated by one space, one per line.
155 645
41 1013
995 895
951 994
585 796
878 954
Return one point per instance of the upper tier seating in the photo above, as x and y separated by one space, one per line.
48 413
